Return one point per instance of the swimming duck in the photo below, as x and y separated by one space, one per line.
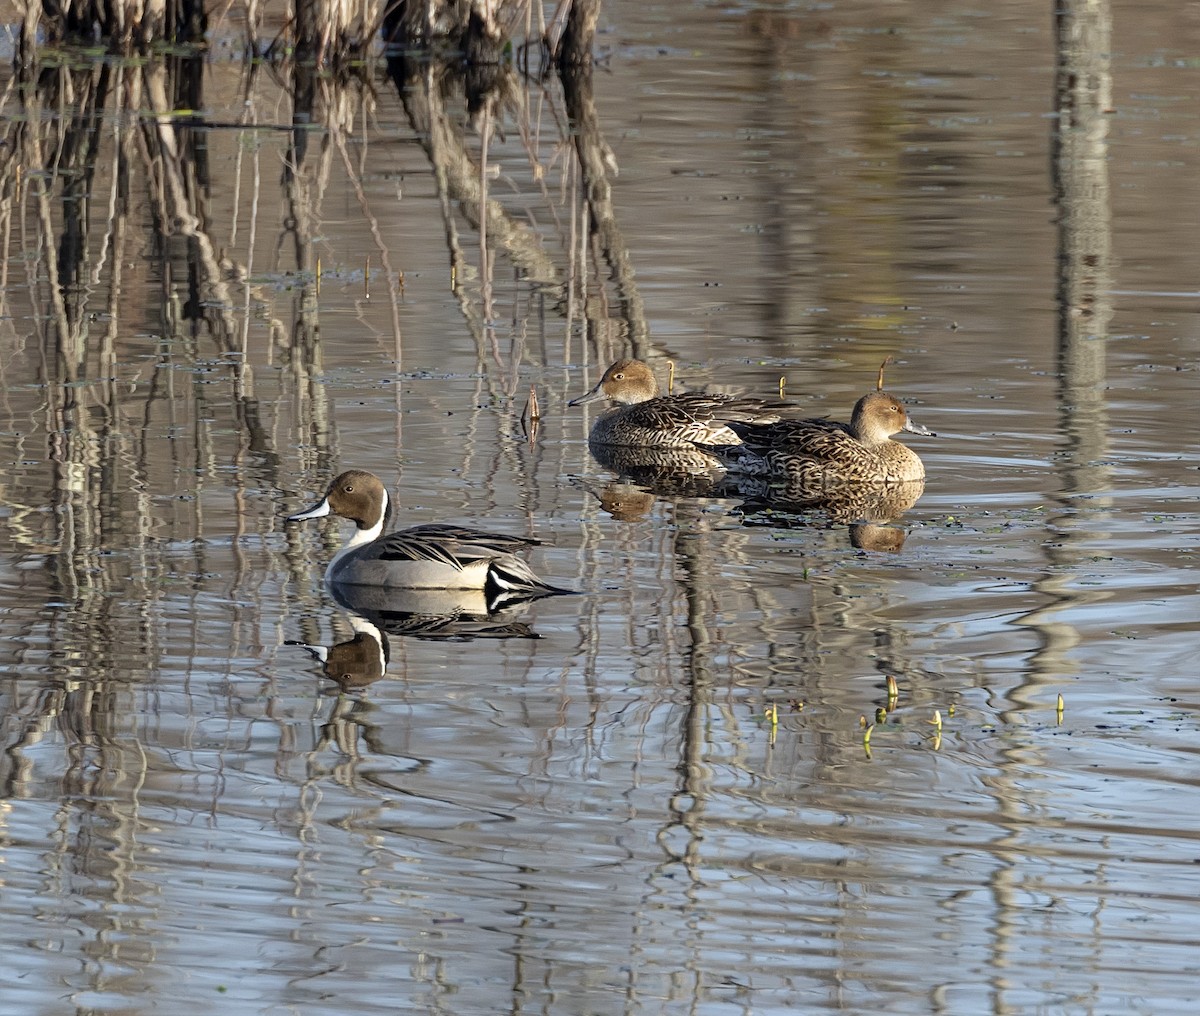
641 417
815 455
434 556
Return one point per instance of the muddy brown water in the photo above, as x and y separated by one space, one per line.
666 801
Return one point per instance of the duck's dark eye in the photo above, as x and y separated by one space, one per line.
618 377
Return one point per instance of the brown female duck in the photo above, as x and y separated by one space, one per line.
643 418
819 454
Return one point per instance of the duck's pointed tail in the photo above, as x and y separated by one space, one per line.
511 580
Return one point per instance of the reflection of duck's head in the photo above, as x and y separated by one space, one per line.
626 382
872 536
357 662
624 502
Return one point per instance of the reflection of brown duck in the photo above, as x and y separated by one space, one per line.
643 418
623 501
865 508
871 536
872 502
667 472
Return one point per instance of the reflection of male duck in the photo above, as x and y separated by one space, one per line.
433 614
449 614
351 665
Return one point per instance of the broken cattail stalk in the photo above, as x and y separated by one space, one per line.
879 383
531 415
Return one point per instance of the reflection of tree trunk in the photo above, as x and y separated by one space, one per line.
26 60
689 803
181 218
1083 91
579 33
1080 170
478 30
786 76
596 160
1080 174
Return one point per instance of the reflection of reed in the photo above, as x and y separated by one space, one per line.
463 180
689 804
101 154
597 162
86 186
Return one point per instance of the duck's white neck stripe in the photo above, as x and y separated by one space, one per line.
359 538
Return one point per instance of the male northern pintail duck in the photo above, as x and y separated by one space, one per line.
432 556
820 454
641 417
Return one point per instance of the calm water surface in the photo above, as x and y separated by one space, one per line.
656 795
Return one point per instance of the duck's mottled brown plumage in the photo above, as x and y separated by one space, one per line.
817 455
643 418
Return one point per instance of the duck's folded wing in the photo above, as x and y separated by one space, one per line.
811 439
702 407
453 545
